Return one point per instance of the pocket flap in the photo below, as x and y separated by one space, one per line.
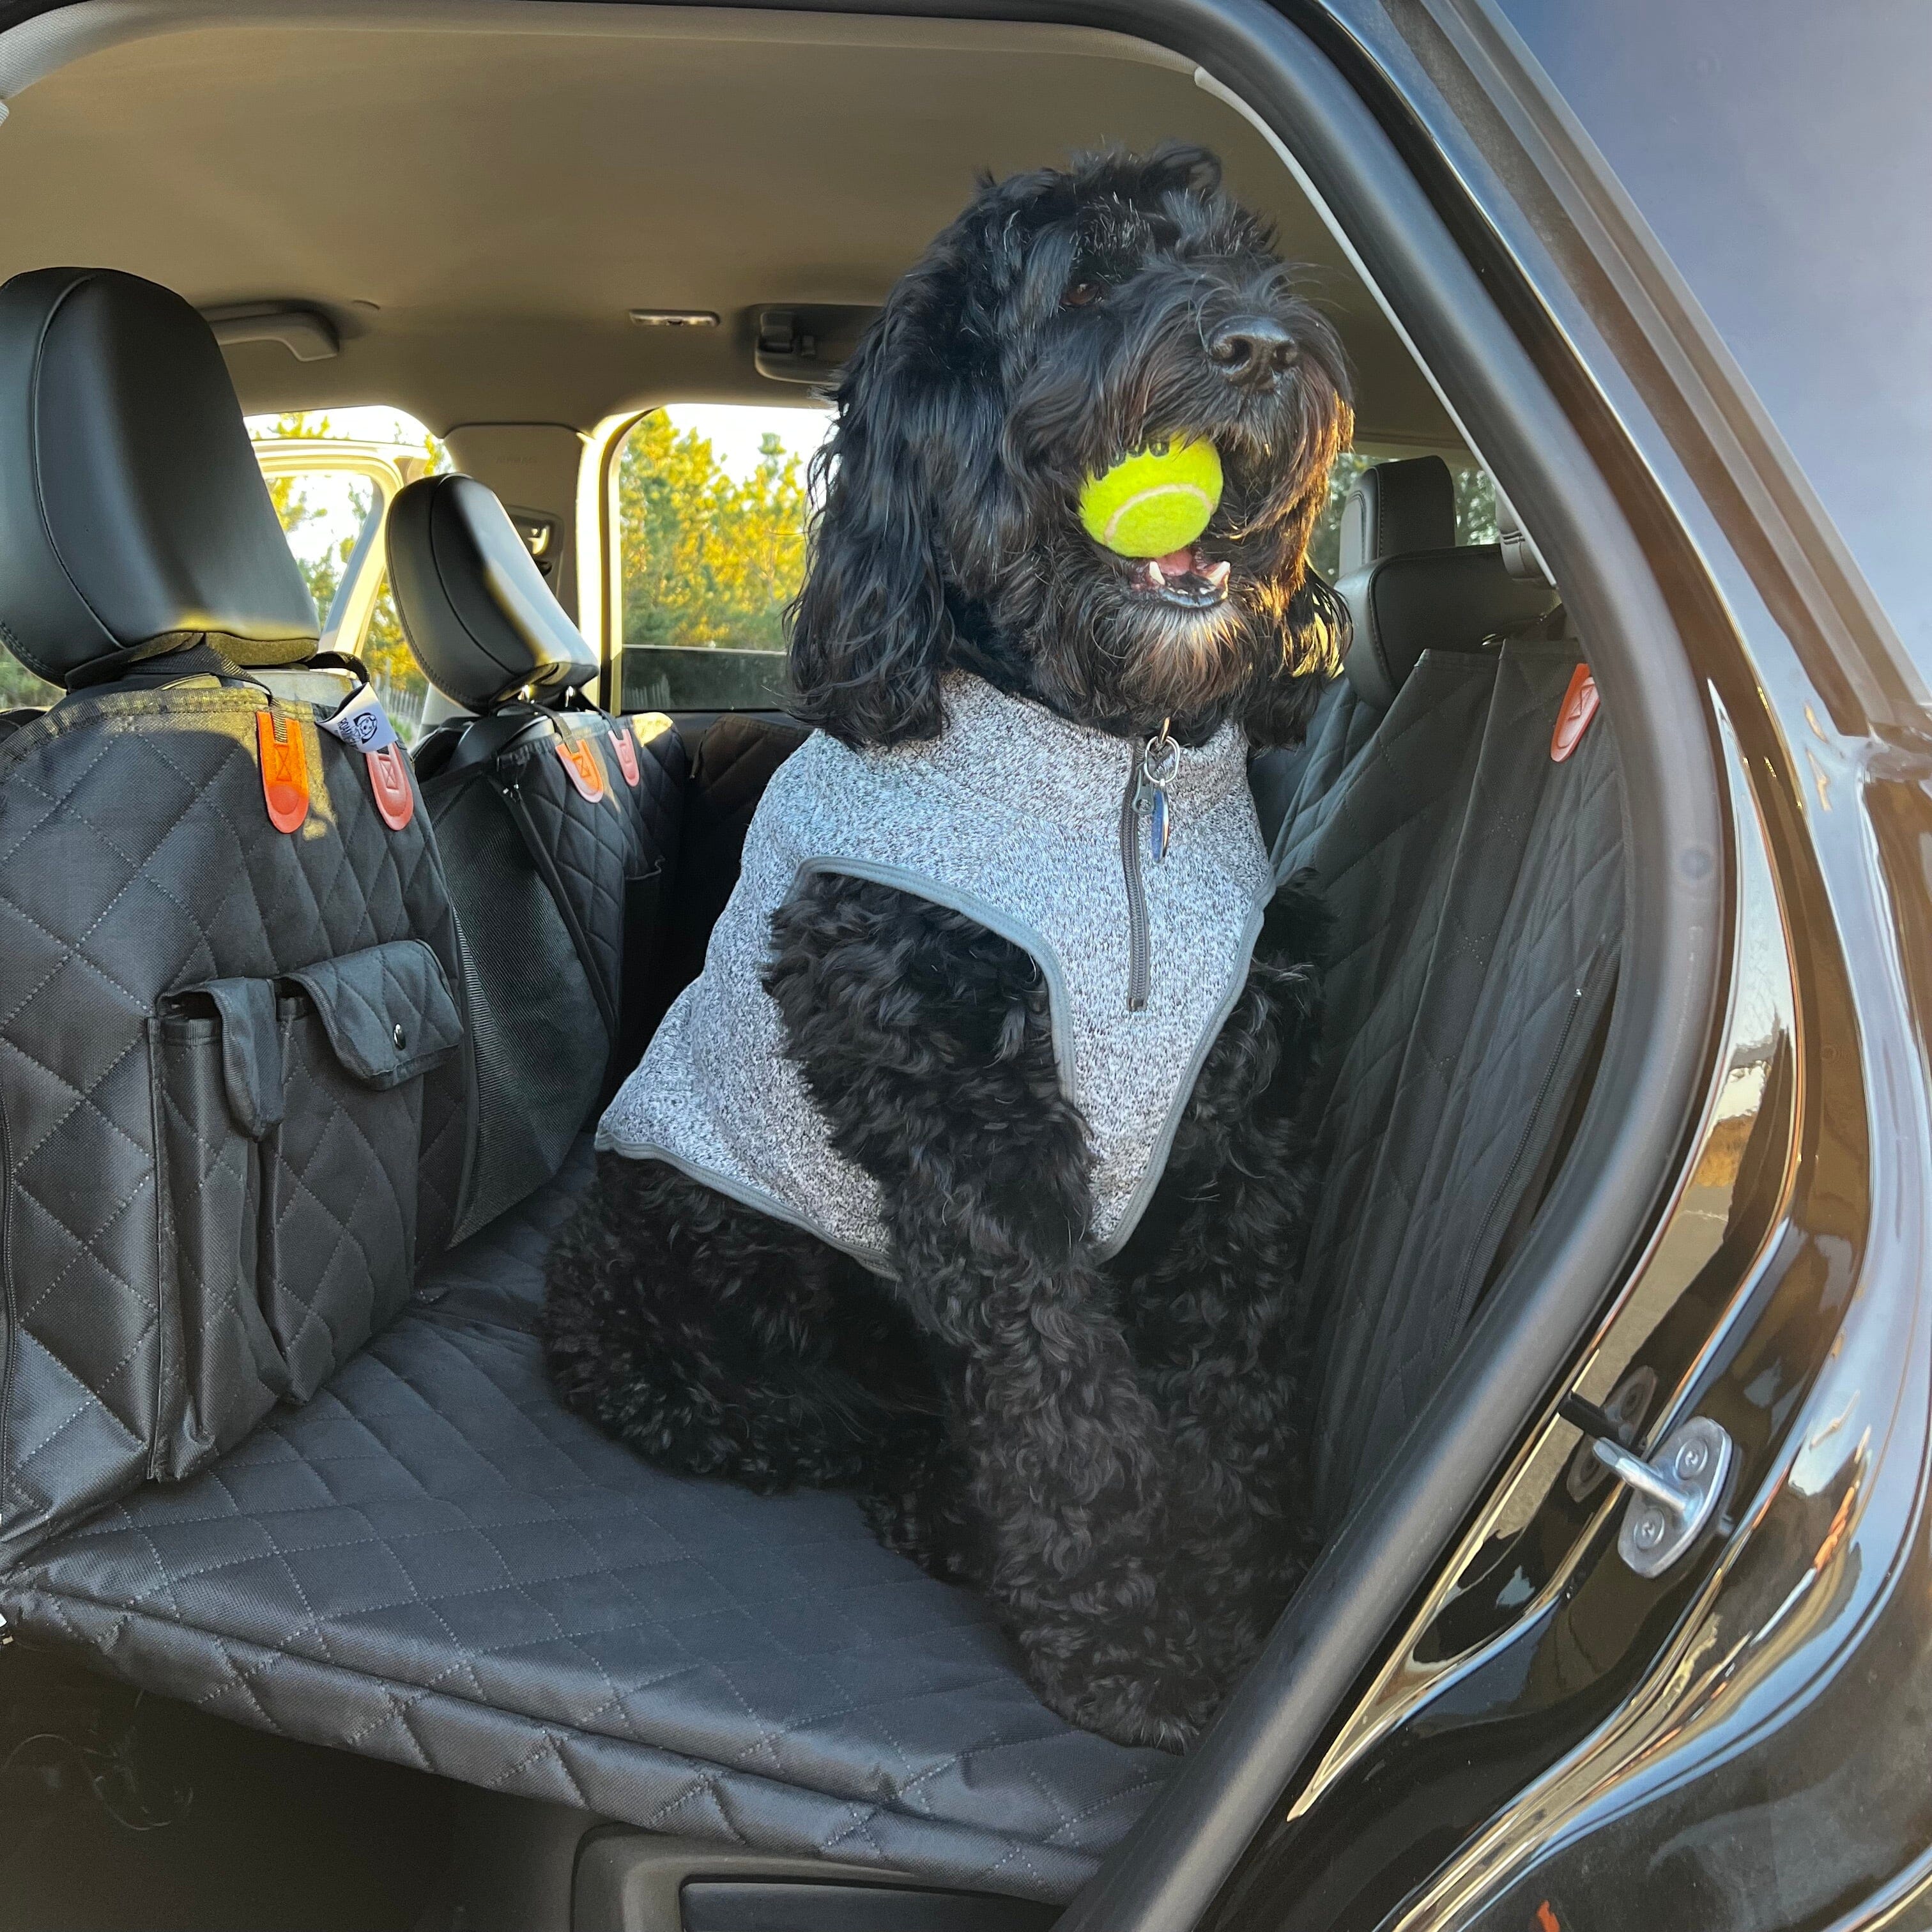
251 1051
387 1012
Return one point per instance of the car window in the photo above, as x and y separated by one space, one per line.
20 690
330 475
711 517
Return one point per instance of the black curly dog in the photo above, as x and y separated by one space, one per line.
1110 1453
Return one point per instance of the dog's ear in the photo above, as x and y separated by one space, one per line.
904 480
1314 639
1312 631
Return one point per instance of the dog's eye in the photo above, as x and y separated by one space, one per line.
1083 295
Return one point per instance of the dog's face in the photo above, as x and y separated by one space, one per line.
1066 320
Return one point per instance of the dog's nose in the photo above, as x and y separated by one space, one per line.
1252 352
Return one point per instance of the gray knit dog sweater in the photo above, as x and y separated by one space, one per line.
1045 832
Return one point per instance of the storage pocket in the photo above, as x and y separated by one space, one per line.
217 1087
339 1170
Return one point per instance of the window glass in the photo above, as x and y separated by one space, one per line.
328 499
1475 502
712 514
20 690
711 519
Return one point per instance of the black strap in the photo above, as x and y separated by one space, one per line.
545 862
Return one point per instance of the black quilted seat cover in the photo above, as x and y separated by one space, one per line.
136 861
1477 886
561 900
734 762
655 804
593 842
431 1562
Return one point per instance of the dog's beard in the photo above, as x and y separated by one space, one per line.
1101 640
1093 643
1096 650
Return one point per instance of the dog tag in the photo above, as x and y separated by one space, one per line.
1153 807
1159 763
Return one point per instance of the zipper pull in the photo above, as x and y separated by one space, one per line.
1160 759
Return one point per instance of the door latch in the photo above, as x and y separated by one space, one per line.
1674 1492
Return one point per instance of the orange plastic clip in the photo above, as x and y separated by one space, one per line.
284 771
580 760
1579 707
627 755
389 780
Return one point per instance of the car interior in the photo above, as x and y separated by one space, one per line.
320 1609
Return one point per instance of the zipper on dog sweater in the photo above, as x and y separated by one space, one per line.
1145 802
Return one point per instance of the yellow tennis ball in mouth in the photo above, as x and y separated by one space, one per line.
1154 501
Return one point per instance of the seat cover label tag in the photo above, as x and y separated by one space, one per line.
1572 719
580 760
389 780
627 754
284 771
362 723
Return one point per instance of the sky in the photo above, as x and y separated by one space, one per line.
733 429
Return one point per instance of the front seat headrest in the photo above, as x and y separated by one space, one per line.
1397 507
479 618
134 517
1436 600
1405 599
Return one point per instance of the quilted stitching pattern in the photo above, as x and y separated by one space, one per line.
591 841
656 805
387 1010
432 1563
1476 905
135 859
1289 784
338 1207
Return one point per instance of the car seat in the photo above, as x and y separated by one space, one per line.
233 1096
558 827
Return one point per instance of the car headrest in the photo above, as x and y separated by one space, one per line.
134 517
1433 600
1396 507
479 618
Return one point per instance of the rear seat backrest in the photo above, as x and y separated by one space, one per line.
1475 883
556 825
233 1097
1391 509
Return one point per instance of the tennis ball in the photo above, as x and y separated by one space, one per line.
1154 501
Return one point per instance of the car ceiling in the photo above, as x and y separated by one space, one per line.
476 195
